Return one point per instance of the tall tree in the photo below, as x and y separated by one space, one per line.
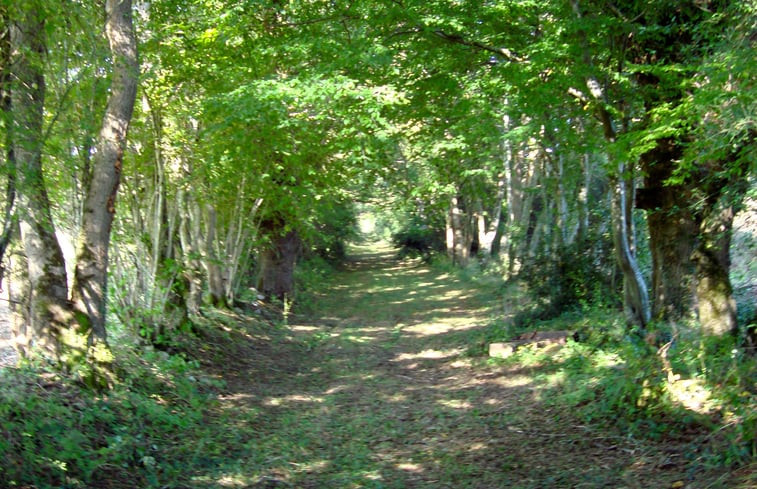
71 333
47 312
91 272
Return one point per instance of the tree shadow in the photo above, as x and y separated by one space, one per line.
377 391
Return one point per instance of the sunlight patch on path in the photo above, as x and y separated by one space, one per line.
427 354
383 385
294 398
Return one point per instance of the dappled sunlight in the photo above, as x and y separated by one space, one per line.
410 467
436 328
455 403
381 390
231 481
397 398
236 397
338 389
692 394
225 480
426 354
512 381
312 466
301 328
294 398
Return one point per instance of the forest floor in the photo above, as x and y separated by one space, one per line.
378 388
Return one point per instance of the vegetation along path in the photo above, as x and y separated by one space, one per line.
378 390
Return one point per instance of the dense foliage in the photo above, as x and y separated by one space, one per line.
593 155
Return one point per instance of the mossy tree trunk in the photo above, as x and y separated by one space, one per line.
672 235
48 310
715 302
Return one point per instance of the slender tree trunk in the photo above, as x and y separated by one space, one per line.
450 234
188 234
460 233
583 200
48 307
90 275
498 221
563 214
18 294
211 261
637 304
636 299
483 233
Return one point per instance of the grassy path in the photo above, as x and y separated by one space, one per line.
376 391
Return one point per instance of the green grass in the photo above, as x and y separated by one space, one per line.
377 380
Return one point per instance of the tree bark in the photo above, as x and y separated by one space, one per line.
277 263
210 260
459 231
672 234
716 305
188 234
18 294
48 307
9 170
715 301
90 275
636 296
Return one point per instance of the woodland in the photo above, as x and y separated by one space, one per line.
267 243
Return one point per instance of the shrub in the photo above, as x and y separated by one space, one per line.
577 276
56 433
416 239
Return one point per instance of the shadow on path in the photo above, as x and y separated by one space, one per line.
376 390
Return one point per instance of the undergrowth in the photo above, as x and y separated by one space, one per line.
144 432
692 390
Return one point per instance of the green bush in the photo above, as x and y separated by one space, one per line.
57 434
416 239
616 379
576 277
337 225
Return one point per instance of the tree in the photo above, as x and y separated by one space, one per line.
46 312
68 333
689 194
91 271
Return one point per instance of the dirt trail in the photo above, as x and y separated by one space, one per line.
377 391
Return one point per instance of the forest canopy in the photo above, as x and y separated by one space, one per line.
165 158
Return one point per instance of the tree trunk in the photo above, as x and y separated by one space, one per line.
716 304
636 295
90 275
583 199
277 264
18 295
459 232
48 307
672 235
210 260
449 234
503 189
9 168
188 235
690 242
498 221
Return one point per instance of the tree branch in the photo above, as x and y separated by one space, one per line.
458 39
